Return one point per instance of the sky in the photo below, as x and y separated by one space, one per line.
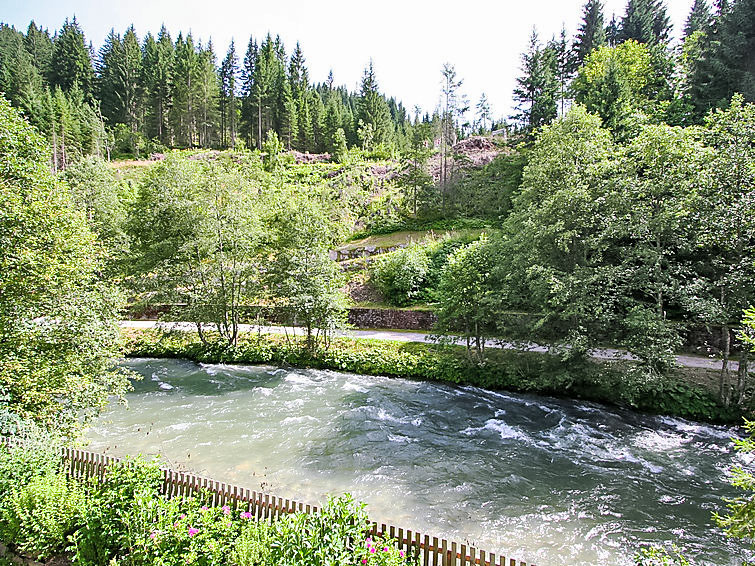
408 41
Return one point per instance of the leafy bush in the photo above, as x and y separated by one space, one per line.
42 514
252 547
377 551
400 275
320 539
174 531
104 532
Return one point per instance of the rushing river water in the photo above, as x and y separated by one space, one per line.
548 481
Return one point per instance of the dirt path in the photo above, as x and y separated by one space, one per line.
700 362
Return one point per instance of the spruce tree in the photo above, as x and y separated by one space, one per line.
228 110
248 112
207 94
699 19
39 46
725 65
612 32
71 60
157 66
591 33
645 21
536 89
373 108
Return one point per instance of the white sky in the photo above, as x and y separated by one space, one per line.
408 40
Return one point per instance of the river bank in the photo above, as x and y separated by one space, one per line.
612 382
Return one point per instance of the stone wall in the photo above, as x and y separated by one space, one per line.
388 318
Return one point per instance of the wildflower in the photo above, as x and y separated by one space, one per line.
401 553
204 508
226 510
193 531
364 561
385 549
246 515
372 550
183 516
368 540
153 534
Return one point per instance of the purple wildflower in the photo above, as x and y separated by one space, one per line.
226 510
193 531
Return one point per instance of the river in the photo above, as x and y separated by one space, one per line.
549 481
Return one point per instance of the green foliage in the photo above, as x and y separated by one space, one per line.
59 338
463 293
104 532
253 545
319 539
42 514
658 556
272 149
400 275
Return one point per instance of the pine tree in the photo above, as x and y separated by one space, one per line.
157 66
699 19
120 80
20 79
207 94
71 60
298 74
228 109
184 109
39 46
645 21
612 32
536 89
483 113
248 112
591 33
373 108
725 65
289 124
564 66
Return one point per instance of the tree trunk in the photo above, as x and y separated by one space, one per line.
724 386
742 376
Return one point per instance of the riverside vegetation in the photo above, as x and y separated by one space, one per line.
627 220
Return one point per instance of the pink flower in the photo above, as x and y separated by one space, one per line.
226 510
364 561
153 534
193 531
368 540
175 525
183 516
246 515
204 508
385 549
401 553
372 550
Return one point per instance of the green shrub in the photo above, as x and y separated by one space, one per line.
325 538
252 547
400 275
104 533
175 531
377 551
42 514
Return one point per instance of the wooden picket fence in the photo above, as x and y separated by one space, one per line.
430 551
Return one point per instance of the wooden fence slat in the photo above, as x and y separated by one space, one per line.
83 465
